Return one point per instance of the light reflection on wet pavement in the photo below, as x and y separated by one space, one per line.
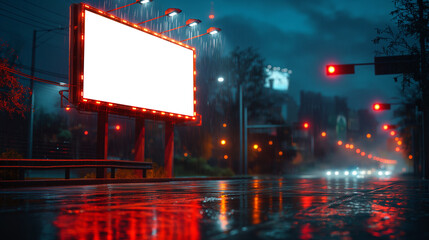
228 209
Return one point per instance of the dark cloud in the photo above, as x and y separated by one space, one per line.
335 36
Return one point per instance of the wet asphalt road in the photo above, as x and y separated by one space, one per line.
230 209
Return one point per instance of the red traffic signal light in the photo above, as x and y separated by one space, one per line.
306 125
380 106
386 127
340 69
118 127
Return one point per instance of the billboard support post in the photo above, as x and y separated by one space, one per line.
169 149
139 142
102 133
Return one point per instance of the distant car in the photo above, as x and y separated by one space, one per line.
350 172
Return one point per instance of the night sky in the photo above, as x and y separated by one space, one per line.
301 35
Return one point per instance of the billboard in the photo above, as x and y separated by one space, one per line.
127 69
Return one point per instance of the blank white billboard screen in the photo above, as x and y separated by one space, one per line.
126 66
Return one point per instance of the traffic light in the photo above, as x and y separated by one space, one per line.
340 69
381 106
306 125
386 127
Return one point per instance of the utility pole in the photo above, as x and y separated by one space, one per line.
33 65
31 120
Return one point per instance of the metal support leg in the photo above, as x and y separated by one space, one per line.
67 173
139 143
112 172
102 130
169 149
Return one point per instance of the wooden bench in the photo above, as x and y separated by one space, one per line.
67 164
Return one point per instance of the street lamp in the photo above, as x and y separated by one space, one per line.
169 12
137 1
220 79
189 23
211 31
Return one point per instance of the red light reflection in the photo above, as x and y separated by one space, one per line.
131 221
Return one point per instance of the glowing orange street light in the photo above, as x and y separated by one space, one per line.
385 127
362 154
410 157
280 153
270 142
340 143
368 135
225 157
358 150
118 127
392 133
352 146
397 149
323 134
68 108
331 69
259 149
255 146
399 143
347 145
185 154
86 132
224 125
369 156
223 142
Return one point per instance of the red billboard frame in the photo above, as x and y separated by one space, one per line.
76 67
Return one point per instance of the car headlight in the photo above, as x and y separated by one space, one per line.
387 173
354 173
328 173
346 173
336 173
380 173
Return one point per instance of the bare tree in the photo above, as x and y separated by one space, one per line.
410 36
